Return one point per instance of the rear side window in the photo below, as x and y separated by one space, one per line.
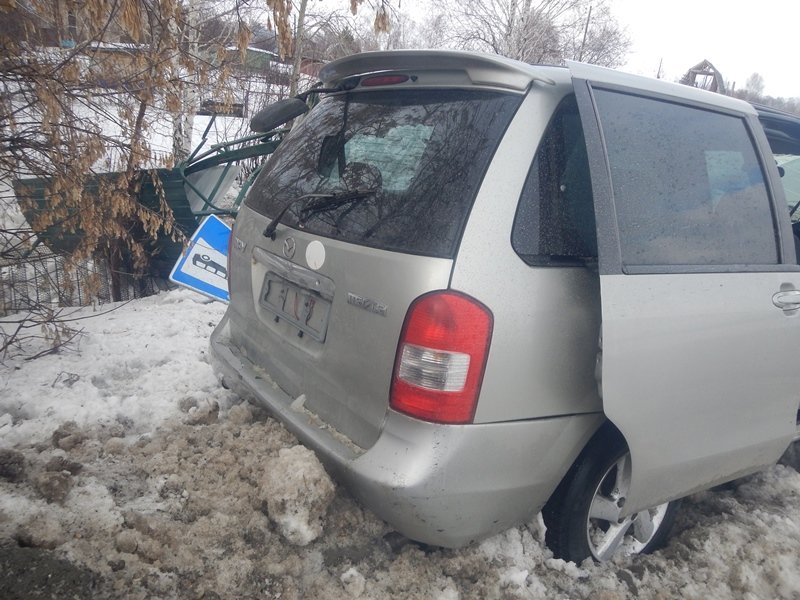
688 186
417 157
555 222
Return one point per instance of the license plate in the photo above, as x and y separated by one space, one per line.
303 308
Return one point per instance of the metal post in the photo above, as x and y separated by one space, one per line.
585 32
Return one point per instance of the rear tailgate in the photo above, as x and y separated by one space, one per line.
320 307
344 371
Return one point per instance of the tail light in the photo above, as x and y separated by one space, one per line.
441 358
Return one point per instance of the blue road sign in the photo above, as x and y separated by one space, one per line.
203 266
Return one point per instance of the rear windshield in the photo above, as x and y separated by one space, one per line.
405 166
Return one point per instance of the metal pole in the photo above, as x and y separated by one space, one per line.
585 32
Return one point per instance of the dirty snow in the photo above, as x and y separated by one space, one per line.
126 471
297 491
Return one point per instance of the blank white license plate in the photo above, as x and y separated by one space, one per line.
305 309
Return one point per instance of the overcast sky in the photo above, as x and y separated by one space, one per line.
738 38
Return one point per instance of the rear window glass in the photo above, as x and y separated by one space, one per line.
414 157
688 186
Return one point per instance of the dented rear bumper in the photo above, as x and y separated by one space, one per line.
434 483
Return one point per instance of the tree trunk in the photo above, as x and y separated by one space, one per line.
183 119
298 49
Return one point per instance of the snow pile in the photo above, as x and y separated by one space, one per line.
126 471
297 491
353 582
125 376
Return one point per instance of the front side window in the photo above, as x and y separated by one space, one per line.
415 158
687 184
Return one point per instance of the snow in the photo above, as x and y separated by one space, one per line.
297 491
127 371
254 50
142 470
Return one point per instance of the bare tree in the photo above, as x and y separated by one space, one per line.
595 37
84 88
337 34
753 91
519 29
384 13
754 86
334 35
534 31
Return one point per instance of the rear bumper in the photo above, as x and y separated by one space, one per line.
447 485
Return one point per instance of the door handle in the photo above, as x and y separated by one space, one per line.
787 300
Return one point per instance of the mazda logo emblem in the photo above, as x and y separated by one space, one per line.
289 246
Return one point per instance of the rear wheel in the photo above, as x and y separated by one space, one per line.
583 515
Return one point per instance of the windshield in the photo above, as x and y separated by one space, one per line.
420 155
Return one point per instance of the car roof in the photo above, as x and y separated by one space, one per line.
605 77
461 68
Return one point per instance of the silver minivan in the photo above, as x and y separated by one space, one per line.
480 289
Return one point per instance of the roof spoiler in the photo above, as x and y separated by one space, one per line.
481 69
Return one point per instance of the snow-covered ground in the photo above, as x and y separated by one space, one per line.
127 471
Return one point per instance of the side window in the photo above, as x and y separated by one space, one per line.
688 186
790 165
790 178
554 224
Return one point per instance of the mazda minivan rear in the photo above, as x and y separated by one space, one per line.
415 292
347 324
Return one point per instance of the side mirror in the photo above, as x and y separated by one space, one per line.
276 114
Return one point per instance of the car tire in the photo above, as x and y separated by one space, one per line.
582 514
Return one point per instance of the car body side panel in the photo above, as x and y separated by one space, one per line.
546 320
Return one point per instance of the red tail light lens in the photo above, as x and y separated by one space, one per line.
441 358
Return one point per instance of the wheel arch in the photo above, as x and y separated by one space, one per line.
607 434
573 520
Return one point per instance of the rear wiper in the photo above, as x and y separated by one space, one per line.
273 225
322 202
332 201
